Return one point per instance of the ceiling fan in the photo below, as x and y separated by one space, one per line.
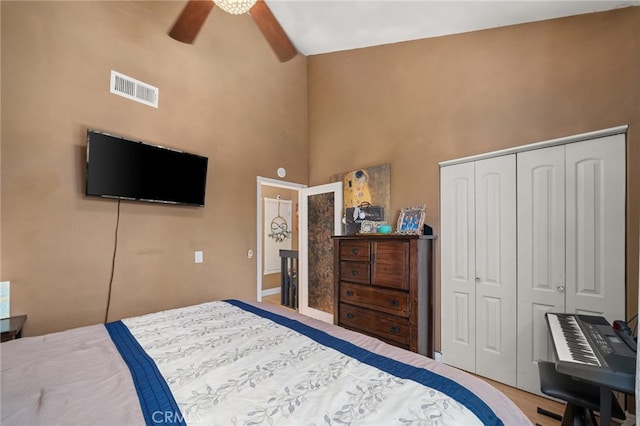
195 12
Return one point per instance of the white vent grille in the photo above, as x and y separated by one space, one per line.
133 89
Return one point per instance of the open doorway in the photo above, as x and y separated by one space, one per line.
317 216
284 194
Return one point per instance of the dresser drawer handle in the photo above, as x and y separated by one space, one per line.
354 272
394 303
394 329
349 315
354 251
349 293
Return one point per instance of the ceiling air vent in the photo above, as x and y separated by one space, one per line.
133 89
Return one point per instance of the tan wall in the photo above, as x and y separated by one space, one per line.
226 97
417 103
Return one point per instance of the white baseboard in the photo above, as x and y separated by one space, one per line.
270 291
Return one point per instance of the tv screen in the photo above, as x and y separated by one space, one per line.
133 170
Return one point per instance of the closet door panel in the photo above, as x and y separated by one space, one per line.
596 188
539 231
496 268
541 248
457 268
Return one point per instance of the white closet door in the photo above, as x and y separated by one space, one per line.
541 250
496 268
596 186
457 269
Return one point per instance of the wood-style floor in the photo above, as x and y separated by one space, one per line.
527 402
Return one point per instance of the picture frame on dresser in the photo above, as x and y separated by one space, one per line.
370 226
411 219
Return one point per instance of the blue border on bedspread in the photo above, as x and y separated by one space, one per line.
399 369
156 400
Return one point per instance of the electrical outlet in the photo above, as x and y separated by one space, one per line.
198 256
250 254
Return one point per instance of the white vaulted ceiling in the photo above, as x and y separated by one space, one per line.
323 26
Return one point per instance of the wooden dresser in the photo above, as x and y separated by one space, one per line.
383 288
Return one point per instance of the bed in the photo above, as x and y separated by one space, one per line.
235 362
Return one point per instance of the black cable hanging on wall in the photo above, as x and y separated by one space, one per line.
113 264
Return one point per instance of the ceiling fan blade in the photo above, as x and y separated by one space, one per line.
272 31
186 27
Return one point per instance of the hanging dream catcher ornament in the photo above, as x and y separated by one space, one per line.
279 227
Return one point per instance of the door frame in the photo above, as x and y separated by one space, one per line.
263 181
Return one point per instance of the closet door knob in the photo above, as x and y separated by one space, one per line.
477 279
561 288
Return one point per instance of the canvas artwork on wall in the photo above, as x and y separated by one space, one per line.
366 185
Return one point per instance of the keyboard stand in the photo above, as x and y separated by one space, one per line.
606 400
582 397
605 406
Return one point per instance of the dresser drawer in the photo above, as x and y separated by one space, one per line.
355 272
387 327
390 264
355 250
379 299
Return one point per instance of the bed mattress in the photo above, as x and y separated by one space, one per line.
234 362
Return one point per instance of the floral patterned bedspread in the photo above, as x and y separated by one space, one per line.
230 363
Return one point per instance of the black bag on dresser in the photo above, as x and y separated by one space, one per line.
365 211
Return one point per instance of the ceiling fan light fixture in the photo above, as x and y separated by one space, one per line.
235 7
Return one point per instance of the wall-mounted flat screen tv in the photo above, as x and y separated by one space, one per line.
134 170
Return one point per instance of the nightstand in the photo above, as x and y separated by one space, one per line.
11 327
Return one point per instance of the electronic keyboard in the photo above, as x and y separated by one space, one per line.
588 348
